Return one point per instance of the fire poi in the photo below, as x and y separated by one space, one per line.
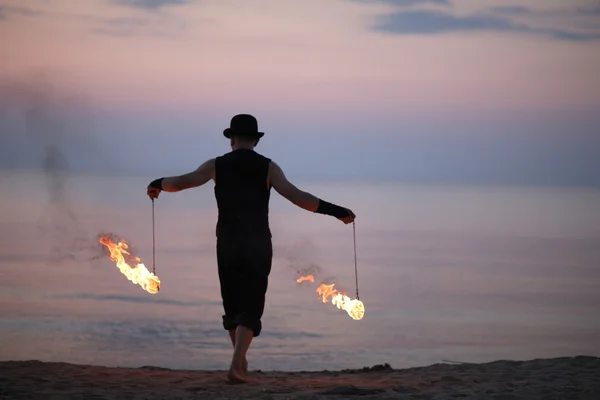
131 266
355 308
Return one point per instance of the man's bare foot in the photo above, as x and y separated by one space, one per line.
245 366
237 376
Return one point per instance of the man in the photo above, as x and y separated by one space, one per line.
243 179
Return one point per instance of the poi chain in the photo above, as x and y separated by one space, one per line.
355 263
153 242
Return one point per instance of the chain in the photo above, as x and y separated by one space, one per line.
355 263
153 242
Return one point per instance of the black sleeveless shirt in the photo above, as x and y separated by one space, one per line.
242 194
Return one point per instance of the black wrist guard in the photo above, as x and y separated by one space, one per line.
331 209
157 184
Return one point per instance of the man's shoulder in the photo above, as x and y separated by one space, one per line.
265 157
224 156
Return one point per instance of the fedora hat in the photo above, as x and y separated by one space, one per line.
244 124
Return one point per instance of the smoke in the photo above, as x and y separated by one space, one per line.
48 114
302 259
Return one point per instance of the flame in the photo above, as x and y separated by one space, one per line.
354 308
138 274
309 278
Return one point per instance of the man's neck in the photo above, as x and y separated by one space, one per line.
242 146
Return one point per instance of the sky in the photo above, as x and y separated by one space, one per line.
443 91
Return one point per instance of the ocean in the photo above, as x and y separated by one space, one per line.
446 272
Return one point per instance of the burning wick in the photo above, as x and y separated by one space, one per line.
354 308
138 274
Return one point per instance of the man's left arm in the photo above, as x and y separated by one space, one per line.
199 177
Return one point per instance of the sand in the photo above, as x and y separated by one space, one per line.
557 378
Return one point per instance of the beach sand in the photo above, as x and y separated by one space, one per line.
557 378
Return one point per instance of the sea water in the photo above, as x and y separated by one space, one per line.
446 272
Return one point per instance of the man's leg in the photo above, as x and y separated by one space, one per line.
232 337
228 261
252 285
243 339
248 326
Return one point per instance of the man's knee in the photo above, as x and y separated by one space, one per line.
244 319
228 323
249 321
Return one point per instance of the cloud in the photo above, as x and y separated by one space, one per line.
150 5
6 10
407 3
156 25
163 27
118 26
127 33
590 10
512 10
122 22
436 22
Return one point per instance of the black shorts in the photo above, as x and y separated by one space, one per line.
244 268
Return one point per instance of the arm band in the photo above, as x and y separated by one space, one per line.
157 184
331 209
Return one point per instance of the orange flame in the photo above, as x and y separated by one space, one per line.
309 278
138 274
354 308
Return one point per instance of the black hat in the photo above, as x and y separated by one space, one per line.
244 124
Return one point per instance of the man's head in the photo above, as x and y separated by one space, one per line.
243 131
238 140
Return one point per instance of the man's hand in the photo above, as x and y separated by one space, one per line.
154 188
153 193
349 218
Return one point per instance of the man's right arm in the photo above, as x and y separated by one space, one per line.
304 199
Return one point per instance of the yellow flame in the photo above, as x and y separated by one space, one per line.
354 308
138 274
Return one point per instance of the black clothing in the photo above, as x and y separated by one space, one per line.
244 248
244 267
242 194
